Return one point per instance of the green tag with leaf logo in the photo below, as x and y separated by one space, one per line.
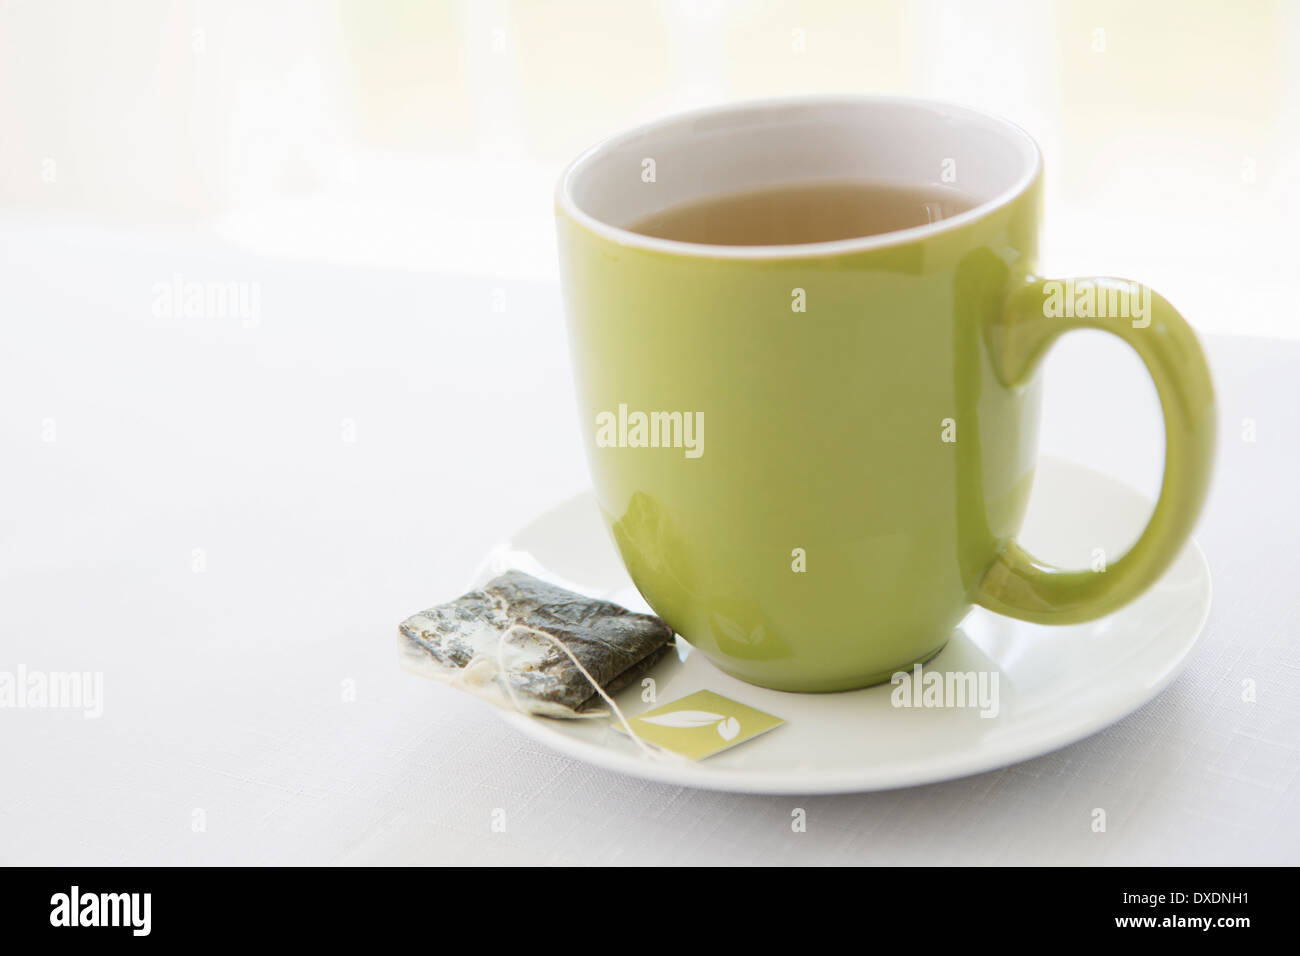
702 724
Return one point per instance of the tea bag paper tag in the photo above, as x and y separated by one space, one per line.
700 725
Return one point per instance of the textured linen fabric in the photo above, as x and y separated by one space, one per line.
231 519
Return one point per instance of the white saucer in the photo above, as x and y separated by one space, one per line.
1056 685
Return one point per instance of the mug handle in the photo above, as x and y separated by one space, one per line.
1036 314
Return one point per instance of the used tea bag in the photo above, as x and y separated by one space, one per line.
460 642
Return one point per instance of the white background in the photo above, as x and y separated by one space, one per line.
382 173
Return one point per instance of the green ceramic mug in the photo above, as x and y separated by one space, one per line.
815 499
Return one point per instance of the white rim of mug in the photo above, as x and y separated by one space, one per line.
567 205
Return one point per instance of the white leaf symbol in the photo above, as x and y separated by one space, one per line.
729 728
684 718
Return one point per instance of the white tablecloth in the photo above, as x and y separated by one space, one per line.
181 510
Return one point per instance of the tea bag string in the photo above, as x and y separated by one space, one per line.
514 700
